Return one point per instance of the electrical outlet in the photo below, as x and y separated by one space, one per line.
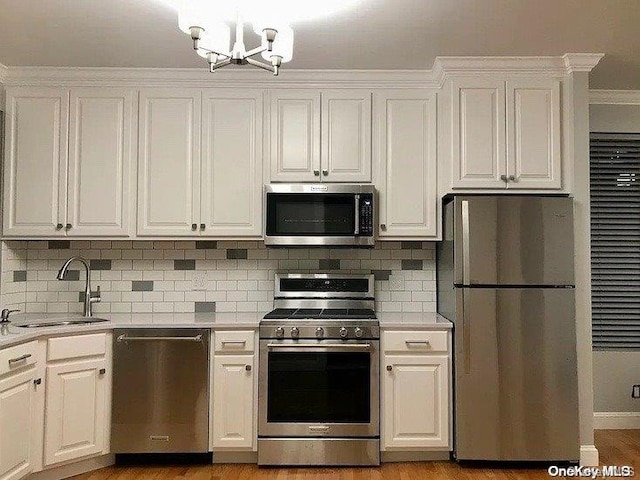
199 281
635 391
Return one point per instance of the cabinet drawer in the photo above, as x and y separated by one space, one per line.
77 346
415 341
16 357
234 341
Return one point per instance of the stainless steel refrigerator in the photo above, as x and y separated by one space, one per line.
505 278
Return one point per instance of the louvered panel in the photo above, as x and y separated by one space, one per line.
615 240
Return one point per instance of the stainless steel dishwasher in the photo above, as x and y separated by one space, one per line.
160 391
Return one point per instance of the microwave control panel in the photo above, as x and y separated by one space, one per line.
366 214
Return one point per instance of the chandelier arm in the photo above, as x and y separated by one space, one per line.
258 64
223 63
256 51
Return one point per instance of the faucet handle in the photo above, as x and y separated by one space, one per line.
95 296
4 316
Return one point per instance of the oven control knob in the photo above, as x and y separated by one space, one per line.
295 333
279 332
319 332
358 332
343 332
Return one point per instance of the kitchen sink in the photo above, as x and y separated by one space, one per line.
59 323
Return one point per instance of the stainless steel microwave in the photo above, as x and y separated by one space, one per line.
319 214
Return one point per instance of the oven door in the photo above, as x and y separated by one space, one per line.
333 215
318 388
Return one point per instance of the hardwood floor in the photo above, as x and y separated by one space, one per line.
617 447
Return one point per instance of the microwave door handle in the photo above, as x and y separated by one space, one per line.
356 230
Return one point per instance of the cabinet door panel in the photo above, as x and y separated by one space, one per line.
295 136
169 162
232 162
346 136
478 133
233 401
416 401
75 417
533 130
407 184
17 405
100 159
35 181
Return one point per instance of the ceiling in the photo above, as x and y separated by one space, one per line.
377 34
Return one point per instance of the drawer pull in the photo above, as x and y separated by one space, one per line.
19 359
234 342
416 342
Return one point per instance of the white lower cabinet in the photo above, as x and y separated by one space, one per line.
234 396
415 392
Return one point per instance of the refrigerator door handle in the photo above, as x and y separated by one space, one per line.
466 334
465 242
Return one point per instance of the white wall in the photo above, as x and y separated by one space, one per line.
615 372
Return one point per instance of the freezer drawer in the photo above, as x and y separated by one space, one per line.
516 392
512 240
160 391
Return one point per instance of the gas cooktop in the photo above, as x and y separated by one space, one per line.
321 314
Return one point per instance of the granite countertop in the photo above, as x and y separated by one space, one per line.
420 320
12 333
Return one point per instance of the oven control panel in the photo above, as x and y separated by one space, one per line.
365 330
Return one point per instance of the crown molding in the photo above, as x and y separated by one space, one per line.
581 62
614 97
443 68
201 77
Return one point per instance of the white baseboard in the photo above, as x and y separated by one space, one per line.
616 420
77 468
589 456
388 457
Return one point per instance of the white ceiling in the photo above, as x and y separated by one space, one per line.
378 34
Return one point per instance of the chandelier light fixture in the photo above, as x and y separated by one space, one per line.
207 27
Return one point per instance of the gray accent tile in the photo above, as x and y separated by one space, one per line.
184 264
100 264
72 276
205 307
410 245
142 286
411 264
381 274
206 244
59 244
19 275
237 254
325 264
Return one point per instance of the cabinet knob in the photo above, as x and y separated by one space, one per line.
68 226
194 226
37 381
325 172
513 178
316 173
389 368
383 227
202 226
102 371
247 368
59 226
504 178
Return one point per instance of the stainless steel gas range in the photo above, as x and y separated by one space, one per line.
318 385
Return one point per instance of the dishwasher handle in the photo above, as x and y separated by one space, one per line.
125 338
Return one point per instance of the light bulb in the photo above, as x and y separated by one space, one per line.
283 44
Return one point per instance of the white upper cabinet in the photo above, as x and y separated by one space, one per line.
101 155
405 146
478 147
346 136
533 133
35 171
295 135
506 134
169 162
320 136
232 162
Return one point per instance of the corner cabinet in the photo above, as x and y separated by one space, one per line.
415 390
69 157
320 135
506 134
200 162
405 162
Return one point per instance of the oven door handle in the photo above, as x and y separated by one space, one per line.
356 230
331 346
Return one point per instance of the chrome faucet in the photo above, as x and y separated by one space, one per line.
89 298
